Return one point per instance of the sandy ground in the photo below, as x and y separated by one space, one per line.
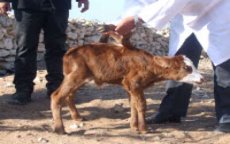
107 112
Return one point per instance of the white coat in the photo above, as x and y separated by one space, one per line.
209 20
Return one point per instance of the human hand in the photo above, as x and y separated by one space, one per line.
125 26
4 7
85 3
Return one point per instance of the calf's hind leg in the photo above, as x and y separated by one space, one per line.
72 108
56 112
69 85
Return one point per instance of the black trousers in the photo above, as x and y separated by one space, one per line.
28 27
176 101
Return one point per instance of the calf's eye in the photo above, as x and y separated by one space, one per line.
188 69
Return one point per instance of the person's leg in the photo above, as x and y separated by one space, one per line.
55 38
222 95
175 104
28 26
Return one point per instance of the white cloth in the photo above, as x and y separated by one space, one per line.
133 7
207 19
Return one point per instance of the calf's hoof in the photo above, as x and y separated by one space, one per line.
143 132
134 130
79 119
60 131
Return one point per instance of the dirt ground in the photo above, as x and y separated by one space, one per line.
107 112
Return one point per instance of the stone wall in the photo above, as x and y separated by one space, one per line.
79 32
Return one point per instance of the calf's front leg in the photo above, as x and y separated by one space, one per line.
139 104
134 115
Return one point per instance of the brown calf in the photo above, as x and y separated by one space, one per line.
133 69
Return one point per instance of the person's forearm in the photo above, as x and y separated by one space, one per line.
127 24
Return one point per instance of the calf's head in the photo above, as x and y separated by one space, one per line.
181 68
192 76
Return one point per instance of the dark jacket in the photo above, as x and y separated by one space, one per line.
38 4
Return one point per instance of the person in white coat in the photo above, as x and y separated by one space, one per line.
195 25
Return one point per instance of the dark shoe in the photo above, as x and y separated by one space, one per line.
20 98
158 119
224 124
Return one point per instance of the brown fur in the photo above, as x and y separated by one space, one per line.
133 69
108 32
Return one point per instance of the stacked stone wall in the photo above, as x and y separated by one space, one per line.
79 32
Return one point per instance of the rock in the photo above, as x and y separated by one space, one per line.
200 93
41 47
41 38
8 43
12 52
95 132
8 65
18 136
4 53
81 125
9 84
9 59
42 140
92 39
74 126
118 108
2 33
178 134
157 138
38 79
40 56
72 35
3 72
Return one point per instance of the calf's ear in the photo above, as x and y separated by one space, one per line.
162 61
180 57
106 28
